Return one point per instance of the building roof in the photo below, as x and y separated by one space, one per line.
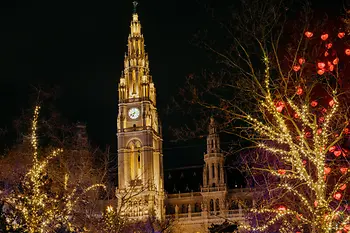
188 179
183 179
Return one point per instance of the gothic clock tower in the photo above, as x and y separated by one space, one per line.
140 158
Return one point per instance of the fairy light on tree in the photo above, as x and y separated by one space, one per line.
304 126
296 115
33 208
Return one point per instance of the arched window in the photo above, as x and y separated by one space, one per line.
197 207
211 205
233 205
217 204
170 209
134 159
183 208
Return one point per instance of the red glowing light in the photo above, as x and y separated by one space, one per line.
337 153
321 65
343 170
347 52
332 149
343 187
296 68
314 103
308 34
320 72
296 116
337 196
341 34
327 170
281 171
321 119
336 61
301 61
326 54
279 106
282 208
331 67
319 131
324 36
331 103
329 45
299 91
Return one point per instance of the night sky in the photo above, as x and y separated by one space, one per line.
79 47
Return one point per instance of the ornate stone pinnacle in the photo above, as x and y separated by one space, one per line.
135 3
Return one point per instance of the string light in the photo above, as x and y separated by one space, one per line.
300 134
42 211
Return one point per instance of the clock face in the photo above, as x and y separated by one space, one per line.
134 113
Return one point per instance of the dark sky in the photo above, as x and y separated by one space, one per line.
80 45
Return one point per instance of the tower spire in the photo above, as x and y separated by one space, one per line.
135 3
136 81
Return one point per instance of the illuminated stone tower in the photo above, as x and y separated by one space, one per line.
140 158
213 173
214 188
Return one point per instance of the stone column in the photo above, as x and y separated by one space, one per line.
216 167
176 211
223 207
204 212
205 178
210 174
127 168
121 174
222 175
189 211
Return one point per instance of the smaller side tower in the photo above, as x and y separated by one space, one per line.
214 190
213 172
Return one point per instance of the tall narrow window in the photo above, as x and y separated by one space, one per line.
213 170
211 205
219 172
208 173
139 160
217 204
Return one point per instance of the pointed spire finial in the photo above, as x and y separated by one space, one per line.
135 3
